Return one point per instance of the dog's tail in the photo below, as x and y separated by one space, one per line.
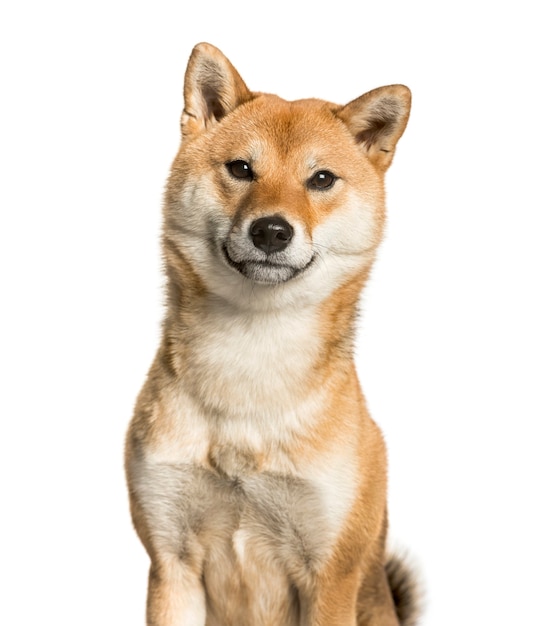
405 589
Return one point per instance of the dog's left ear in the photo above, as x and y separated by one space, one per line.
212 89
377 120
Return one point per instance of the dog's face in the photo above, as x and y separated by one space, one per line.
265 194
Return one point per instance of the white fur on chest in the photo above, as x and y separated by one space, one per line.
252 365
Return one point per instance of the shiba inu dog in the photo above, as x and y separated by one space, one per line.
257 478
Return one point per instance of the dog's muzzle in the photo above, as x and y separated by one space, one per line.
264 252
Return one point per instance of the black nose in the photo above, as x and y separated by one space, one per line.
271 234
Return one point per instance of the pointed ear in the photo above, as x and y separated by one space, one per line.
212 89
377 120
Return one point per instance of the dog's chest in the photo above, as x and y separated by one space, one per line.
223 484
280 513
257 532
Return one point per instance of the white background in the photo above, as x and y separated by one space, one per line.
451 349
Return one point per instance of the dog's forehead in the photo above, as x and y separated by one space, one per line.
297 122
301 128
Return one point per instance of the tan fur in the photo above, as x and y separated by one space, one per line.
257 478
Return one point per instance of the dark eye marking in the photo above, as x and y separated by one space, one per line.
321 180
240 169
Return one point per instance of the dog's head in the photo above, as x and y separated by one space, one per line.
265 193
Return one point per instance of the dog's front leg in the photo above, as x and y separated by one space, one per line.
175 595
167 504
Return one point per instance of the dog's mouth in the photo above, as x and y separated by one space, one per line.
267 271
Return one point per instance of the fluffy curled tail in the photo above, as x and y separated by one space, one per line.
405 590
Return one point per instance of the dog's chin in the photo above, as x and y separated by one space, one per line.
265 272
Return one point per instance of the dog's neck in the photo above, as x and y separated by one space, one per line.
241 356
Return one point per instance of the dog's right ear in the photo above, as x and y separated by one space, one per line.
212 89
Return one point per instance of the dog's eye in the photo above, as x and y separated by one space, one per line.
322 180
240 169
